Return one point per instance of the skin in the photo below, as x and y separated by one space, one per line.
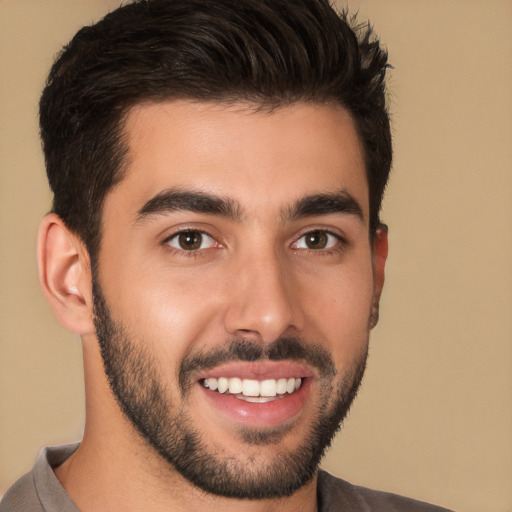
253 278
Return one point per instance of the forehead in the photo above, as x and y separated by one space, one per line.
260 158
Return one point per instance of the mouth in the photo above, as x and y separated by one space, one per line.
259 394
252 390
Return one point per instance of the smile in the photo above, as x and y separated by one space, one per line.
254 390
256 394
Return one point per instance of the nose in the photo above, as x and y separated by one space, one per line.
262 304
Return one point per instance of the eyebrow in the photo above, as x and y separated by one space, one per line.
326 204
173 200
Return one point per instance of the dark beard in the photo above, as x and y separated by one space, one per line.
144 399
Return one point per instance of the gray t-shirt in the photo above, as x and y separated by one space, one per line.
40 491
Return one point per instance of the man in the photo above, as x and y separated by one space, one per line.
218 170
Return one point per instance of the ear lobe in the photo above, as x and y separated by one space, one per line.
380 254
64 275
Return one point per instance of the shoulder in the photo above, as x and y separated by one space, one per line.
335 495
39 490
22 496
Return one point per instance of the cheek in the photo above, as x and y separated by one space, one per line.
166 310
338 310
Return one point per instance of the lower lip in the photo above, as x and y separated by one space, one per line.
268 414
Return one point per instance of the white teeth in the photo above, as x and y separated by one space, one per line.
281 386
222 385
253 388
268 388
235 385
257 399
250 388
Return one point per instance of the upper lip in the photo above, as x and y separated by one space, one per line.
258 370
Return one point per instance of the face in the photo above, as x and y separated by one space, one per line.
234 288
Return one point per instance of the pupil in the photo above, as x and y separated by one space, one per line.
316 240
190 240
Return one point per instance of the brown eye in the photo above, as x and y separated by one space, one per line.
317 241
191 241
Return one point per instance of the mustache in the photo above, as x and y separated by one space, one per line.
285 348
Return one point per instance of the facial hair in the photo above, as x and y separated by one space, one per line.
144 398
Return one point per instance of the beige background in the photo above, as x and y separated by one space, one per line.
434 419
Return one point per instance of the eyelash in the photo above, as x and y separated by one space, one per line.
340 245
194 253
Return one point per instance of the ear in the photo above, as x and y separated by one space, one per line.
380 254
65 275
